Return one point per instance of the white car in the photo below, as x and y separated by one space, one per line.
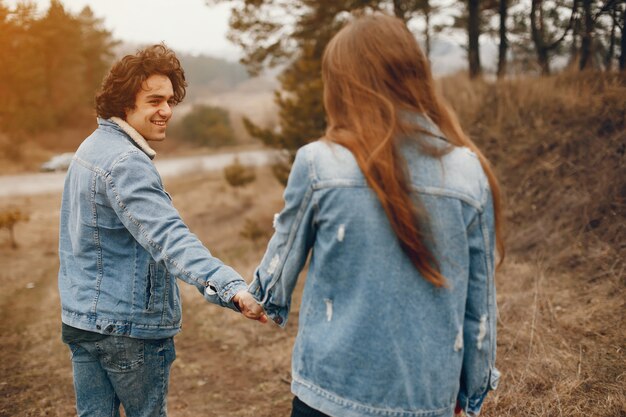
58 162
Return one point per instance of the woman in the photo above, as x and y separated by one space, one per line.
399 209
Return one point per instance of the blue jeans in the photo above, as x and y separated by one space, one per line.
117 369
301 409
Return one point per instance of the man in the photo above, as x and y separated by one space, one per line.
122 243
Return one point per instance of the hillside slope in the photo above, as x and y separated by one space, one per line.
558 145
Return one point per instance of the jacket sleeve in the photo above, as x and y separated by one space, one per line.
287 251
135 192
479 375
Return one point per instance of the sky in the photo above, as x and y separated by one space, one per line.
192 26
184 25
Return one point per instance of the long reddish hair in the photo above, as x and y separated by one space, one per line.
374 71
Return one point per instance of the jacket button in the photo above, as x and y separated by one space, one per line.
98 327
278 320
109 328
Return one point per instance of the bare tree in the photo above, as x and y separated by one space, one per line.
544 47
608 60
587 41
617 10
473 33
622 57
405 10
503 46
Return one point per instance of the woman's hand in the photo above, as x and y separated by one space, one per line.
249 307
458 411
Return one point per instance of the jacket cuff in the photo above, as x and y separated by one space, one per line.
472 405
276 313
224 296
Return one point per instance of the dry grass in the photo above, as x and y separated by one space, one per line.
558 146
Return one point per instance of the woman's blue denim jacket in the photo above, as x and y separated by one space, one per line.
374 337
122 243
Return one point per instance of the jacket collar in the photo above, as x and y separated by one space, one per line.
427 124
136 137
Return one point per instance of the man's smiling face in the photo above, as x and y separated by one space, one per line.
153 107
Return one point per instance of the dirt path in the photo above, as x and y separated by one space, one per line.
36 374
226 366
32 184
561 341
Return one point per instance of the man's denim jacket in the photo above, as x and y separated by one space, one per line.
122 243
374 337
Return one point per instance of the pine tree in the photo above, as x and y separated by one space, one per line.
22 75
294 34
300 98
59 51
51 66
96 51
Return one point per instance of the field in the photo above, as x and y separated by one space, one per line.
558 145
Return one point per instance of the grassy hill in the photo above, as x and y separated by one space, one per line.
558 145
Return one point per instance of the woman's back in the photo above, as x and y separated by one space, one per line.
374 336
398 312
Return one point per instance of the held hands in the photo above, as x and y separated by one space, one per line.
249 307
458 411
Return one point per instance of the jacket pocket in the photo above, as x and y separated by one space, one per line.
171 306
150 287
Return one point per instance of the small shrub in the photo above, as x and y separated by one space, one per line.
206 126
252 231
281 172
8 219
238 175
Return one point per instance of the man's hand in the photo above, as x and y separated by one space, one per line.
249 307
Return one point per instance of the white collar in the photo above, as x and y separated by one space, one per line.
135 136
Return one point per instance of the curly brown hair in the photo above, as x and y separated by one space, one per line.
121 85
